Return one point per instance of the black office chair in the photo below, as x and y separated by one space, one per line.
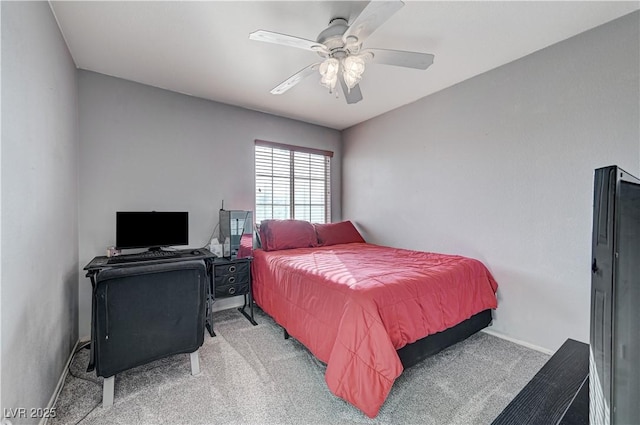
144 313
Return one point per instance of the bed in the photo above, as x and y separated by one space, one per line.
360 308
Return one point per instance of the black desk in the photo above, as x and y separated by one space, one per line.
101 262
214 267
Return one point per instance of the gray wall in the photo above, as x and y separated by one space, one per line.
144 148
39 205
500 168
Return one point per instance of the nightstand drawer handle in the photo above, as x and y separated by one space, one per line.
232 269
232 279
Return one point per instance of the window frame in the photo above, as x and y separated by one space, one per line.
292 149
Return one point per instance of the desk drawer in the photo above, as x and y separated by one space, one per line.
232 290
232 269
231 279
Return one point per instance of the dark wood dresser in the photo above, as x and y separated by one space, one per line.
557 394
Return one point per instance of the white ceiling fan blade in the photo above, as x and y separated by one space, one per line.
373 15
295 79
351 96
401 58
287 40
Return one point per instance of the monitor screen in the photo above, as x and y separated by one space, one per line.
151 229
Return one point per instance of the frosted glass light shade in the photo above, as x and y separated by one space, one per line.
329 71
353 70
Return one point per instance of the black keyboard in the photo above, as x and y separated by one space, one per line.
143 256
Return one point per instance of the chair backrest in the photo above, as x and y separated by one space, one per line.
144 313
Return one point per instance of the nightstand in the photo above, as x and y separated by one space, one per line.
230 278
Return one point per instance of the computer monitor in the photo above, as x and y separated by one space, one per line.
151 229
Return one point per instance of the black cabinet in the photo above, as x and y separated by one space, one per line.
230 278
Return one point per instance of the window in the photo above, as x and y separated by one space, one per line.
292 182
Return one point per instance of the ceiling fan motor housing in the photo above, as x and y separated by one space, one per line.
331 37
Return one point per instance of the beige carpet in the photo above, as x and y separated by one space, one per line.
251 375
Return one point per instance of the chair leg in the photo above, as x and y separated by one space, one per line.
107 391
195 363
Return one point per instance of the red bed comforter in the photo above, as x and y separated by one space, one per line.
353 305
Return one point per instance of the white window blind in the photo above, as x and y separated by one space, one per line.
292 182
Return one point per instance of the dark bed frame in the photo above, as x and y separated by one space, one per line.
414 353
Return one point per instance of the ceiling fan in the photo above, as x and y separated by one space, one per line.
340 46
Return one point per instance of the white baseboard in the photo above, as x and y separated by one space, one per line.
63 376
518 341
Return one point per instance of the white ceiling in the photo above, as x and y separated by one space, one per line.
202 48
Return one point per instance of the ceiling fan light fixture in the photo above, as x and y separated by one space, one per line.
329 71
340 46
